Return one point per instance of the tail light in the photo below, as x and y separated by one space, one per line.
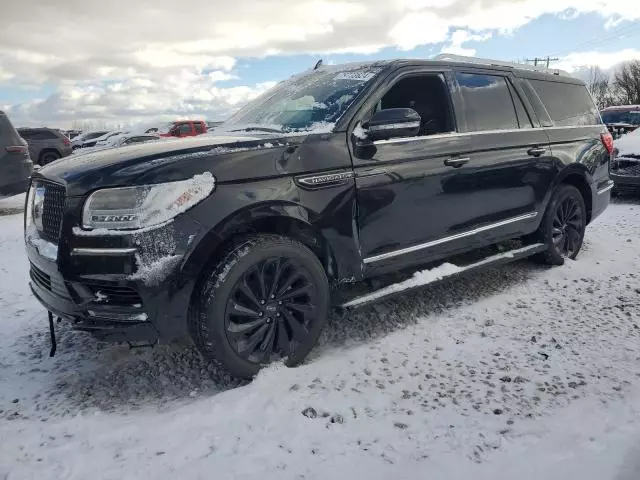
607 141
16 149
66 141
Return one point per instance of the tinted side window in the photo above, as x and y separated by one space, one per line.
45 135
199 128
184 128
487 102
26 134
568 104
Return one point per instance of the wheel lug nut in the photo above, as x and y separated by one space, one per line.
262 302
279 302
260 314
277 314
272 297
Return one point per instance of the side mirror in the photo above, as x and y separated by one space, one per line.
392 123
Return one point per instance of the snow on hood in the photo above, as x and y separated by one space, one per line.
628 144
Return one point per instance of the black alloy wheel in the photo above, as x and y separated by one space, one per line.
563 226
271 310
267 298
567 229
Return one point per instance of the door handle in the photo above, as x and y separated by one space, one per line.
536 151
456 162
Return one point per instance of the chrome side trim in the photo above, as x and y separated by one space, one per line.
433 243
393 126
605 189
484 132
103 252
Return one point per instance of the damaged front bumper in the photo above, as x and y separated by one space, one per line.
120 288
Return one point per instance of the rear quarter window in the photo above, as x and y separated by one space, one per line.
568 104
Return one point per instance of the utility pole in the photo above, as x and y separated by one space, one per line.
546 60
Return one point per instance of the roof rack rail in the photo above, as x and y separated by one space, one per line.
499 63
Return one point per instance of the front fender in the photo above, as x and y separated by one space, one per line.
324 218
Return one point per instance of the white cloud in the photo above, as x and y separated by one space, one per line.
577 60
459 37
160 55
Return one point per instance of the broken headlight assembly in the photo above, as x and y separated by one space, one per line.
135 208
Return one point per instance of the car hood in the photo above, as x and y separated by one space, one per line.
628 145
228 157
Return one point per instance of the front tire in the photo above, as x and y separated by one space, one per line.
563 226
48 157
267 299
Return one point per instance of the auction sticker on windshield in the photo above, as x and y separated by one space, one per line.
361 76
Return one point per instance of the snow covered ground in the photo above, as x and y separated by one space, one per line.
9 205
519 372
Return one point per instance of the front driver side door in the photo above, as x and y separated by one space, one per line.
401 203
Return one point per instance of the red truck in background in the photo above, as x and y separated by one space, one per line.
181 128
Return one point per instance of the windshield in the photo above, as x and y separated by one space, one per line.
622 116
317 98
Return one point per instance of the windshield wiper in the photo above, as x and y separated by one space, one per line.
257 129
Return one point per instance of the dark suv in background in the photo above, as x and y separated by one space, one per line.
46 144
243 241
621 119
15 164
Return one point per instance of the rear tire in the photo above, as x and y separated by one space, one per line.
48 157
563 226
267 299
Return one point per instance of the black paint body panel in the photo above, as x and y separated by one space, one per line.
376 198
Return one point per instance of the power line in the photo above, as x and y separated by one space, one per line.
546 60
602 39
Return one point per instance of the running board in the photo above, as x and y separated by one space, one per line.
441 272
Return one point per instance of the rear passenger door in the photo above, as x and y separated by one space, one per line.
509 171
573 125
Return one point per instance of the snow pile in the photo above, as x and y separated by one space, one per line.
421 277
359 132
629 144
153 274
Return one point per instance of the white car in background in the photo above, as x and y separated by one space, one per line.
87 139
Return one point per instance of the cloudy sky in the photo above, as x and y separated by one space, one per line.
129 61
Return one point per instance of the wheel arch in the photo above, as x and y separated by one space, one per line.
280 218
578 176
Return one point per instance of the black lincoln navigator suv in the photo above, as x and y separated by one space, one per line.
244 239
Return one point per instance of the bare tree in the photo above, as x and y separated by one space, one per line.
627 80
600 88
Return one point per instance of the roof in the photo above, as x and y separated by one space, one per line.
522 70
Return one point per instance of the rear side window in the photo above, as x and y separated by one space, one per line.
199 128
184 128
568 104
38 135
487 102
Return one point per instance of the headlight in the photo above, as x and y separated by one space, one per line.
132 208
28 211
33 209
